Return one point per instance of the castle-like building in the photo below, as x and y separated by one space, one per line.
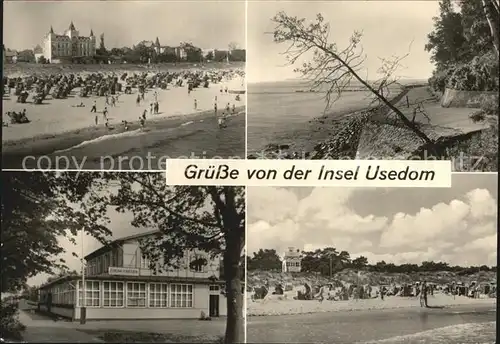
58 48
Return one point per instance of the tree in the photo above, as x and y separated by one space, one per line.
102 47
360 262
34 214
144 52
492 13
210 219
447 40
26 55
232 46
193 54
267 260
334 68
42 60
209 56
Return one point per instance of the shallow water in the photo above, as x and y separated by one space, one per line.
393 326
276 109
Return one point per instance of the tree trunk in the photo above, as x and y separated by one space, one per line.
232 275
492 14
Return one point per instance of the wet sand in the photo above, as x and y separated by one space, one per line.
188 136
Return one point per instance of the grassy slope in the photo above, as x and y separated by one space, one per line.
257 278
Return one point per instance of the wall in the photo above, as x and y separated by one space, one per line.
200 303
64 312
464 99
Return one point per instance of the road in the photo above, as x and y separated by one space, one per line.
361 326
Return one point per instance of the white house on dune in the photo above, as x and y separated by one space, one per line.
292 260
120 284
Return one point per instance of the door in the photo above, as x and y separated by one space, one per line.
213 307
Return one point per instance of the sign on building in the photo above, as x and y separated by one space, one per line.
123 271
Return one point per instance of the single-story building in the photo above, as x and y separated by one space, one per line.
120 284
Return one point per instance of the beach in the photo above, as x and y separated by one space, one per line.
180 129
279 305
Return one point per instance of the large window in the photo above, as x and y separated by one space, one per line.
158 295
64 294
136 294
112 294
92 294
181 295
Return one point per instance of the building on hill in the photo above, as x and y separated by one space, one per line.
64 48
292 260
179 52
121 284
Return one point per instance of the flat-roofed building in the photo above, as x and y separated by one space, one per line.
120 283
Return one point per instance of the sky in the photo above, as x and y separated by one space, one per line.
398 225
389 28
120 227
124 23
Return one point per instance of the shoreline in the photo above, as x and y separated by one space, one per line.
362 305
14 151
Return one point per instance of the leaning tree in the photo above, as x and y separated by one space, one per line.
333 69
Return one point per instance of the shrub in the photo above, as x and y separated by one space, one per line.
10 326
481 74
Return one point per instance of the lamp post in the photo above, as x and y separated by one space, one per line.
83 309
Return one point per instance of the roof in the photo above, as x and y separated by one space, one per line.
10 53
118 242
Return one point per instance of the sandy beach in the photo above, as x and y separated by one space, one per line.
278 305
58 127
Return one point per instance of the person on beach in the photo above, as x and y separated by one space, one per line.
142 121
157 108
195 104
142 96
225 90
94 107
113 101
382 292
105 113
234 109
144 114
96 120
107 99
151 109
125 125
423 295
215 108
138 100
220 122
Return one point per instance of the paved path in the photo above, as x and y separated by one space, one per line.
43 330
361 326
